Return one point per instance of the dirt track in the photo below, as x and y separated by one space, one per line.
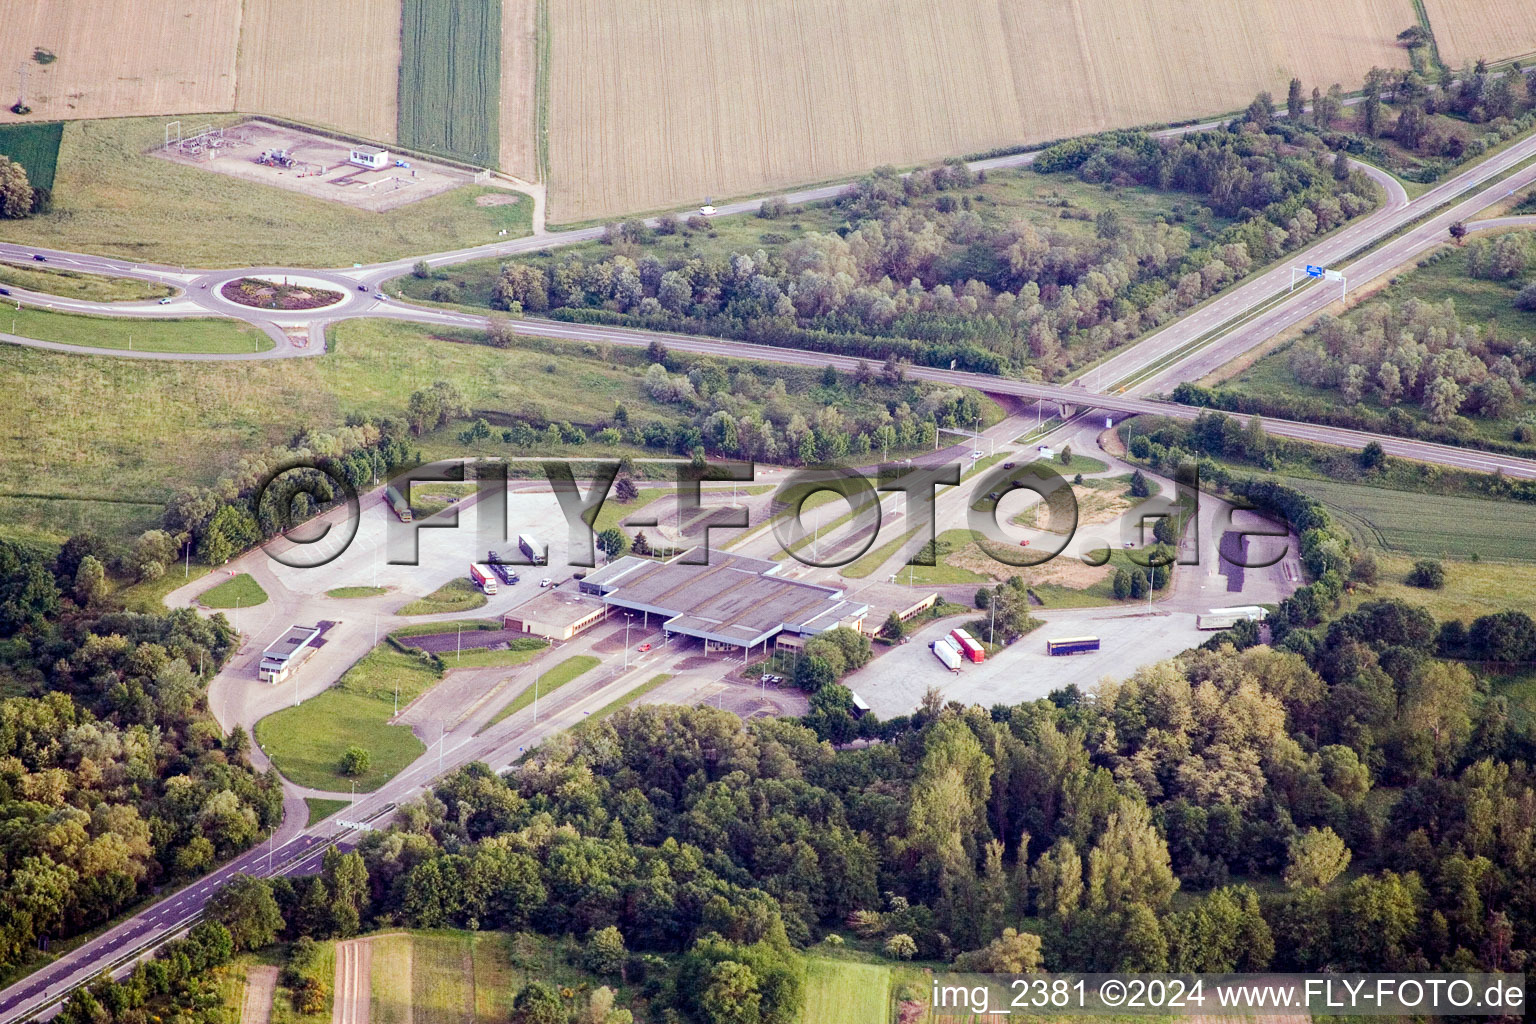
354 962
256 1006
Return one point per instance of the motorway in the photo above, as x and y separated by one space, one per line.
1185 350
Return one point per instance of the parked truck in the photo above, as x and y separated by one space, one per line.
969 648
945 650
503 571
532 549
398 504
483 578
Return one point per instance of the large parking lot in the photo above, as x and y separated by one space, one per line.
894 683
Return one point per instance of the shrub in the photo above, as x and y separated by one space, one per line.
1427 573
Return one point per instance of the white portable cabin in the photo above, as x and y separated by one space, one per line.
373 159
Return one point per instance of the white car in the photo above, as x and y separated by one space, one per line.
546 582
976 454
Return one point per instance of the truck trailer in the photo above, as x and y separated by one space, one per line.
1072 645
483 578
969 648
532 550
945 650
1226 618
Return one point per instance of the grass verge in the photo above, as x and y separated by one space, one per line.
209 335
321 808
630 697
457 595
546 684
240 591
73 284
343 593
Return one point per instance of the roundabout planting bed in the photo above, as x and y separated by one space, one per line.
260 293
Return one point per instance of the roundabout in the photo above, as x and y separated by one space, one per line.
285 293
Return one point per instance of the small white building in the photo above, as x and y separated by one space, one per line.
373 159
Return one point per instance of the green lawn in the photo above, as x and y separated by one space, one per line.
208 334
240 591
547 683
526 650
114 198
344 593
306 742
148 598
73 284
844 992
321 808
457 595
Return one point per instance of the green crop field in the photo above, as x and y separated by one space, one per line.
442 978
306 742
390 979
450 79
35 147
842 992
1429 524
240 591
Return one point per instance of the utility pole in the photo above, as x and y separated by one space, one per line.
21 73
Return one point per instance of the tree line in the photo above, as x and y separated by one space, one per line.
924 270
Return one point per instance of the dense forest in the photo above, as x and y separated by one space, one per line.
113 777
919 268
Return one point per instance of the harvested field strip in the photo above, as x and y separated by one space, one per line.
450 79
279 74
521 45
1469 30
35 147
660 103
256 1004
352 994
121 59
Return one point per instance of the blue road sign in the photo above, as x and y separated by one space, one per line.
1314 271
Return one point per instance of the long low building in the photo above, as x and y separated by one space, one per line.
290 651
731 603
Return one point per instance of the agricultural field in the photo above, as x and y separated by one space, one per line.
736 102
520 72
450 79
1472 30
36 147
114 59
333 64
844 992
112 197
1471 588
1429 525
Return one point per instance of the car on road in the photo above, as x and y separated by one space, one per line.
546 582
362 287
5 291
165 301
40 257
379 295
643 648
1009 465
1023 543
976 454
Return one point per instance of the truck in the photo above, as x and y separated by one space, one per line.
532 550
1072 645
503 571
398 504
1226 618
969 648
945 650
483 577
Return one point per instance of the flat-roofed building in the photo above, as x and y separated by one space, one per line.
290 651
733 602
557 614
